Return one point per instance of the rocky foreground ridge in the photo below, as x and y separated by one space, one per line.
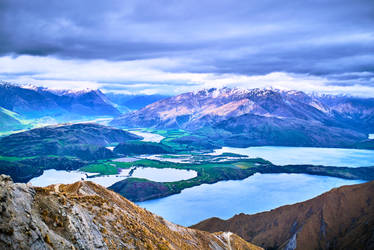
342 218
85 215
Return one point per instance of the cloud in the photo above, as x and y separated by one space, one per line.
150 77
187 42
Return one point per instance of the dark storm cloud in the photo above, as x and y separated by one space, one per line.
246 37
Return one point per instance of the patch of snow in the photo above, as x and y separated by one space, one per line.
227 236
30 86
319 107
291 245
73 92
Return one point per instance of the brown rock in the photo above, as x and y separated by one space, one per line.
342 218
85 215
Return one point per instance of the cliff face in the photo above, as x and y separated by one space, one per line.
85 215
342 218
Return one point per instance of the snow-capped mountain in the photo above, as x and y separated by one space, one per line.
261 116
33 102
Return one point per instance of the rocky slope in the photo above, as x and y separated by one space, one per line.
261 117
342 218
84 215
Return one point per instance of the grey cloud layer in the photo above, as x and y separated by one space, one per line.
247 37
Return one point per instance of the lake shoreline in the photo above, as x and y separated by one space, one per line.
254 194
167 189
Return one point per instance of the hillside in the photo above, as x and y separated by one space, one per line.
367 144
126 103
342 218
79 140
9 120
260 117
141 147
85 215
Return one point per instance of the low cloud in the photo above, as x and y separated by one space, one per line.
148 77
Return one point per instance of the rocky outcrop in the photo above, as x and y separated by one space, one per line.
85 215
342 218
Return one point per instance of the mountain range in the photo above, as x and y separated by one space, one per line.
36 102
21 104
239 117
85 215
342 218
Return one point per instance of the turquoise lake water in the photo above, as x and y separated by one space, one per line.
257 193
339 157
53 176
150 137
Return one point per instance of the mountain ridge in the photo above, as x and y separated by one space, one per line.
342 218
85 215
37 102
348 119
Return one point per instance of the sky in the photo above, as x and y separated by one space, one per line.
174 46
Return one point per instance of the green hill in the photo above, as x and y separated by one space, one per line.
10 120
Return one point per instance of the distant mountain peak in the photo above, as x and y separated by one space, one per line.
35 102
73 92
261 115
59 92
216 92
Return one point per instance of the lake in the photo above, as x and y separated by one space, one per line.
339 157
53 176
170 158
254 194
164 174
148 136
